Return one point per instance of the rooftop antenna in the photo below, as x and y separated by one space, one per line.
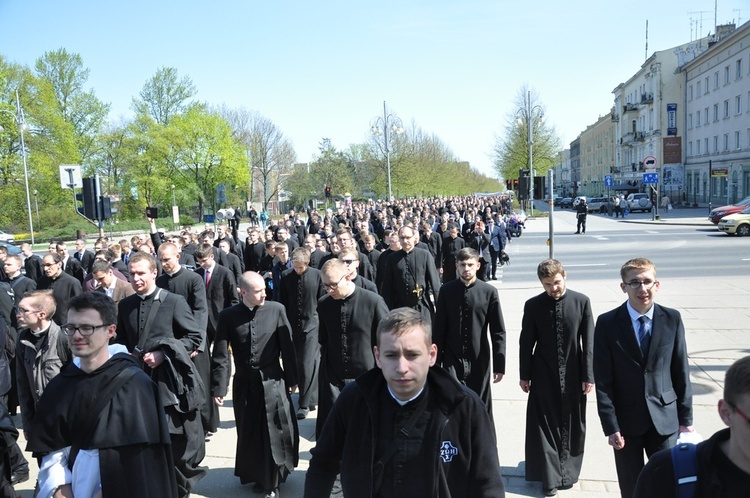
699 31
646 55
739 14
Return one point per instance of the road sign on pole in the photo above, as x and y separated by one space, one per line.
650 178
649 162
608 181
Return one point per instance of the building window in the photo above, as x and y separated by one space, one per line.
705 88
716 144
726 108
698 89
739 69
698 147
690 121
716 112
716 80
690 149
726 75
705 145
738 104
737 140
726 142
690 92
698 115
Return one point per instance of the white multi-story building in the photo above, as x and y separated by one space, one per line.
562 173
717 120
648 114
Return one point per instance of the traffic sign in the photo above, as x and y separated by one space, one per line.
649 162
608 181
650 178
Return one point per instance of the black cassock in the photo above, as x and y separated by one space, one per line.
267 435
409 280
347 335
464 316
299 294
130 433
556 354
448 252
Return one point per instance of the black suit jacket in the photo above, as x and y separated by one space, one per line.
221 293
86 260
480 240
74 269
33 267
634 393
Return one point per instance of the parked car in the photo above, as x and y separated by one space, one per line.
11 248
599 205
566 202
6 237
718 213
736 224
556 200
640 202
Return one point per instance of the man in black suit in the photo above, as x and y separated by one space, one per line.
32 264
643 387
253 251
233 262
83 255
71 266
480 242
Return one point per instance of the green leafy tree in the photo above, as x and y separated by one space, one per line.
511 151
164 96
79 107
206 154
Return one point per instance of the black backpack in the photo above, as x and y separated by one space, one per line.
685 463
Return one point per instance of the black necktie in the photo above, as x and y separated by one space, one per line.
78 256
644 337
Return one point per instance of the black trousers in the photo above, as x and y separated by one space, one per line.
581 223
494 255
629 460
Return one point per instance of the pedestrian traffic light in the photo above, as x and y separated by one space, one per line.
515 184
507 185
328 192
88 198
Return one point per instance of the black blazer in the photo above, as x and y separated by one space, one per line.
634 393
221 293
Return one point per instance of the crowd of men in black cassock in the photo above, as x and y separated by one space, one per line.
332 273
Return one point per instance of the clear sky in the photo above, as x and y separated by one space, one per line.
322 69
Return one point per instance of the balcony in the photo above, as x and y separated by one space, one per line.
638 136
629 108
647 98
615 117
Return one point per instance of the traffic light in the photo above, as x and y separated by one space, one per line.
88 198
507 185
539 187
523 188
328 192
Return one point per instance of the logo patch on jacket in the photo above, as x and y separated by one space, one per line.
448 451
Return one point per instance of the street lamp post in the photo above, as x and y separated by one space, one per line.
36 204
384 126
21 122
528 116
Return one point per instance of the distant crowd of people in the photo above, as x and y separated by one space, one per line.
380 317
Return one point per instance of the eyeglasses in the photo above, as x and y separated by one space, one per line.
636 284
349 261
84 330
333 286
22 311
739 412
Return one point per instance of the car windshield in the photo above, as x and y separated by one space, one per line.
746 210
743 202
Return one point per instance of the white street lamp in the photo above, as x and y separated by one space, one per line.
21 122
384 126
527 114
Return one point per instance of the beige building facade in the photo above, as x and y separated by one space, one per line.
597 156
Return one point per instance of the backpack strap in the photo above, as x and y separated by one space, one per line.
685 463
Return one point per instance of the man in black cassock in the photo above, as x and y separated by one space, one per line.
411 279
301 288
466 309
63 286
349 317
452 243
164 340
102 401
260 335
557 370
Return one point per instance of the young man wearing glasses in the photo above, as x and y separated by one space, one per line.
349 317
100 428
641 370
723 461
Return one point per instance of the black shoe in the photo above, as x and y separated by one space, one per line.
273 493
577 233
550 492
302 413
312 408
19 476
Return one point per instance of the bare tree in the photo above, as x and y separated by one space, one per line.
164 95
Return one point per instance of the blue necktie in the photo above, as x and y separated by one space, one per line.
644 337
